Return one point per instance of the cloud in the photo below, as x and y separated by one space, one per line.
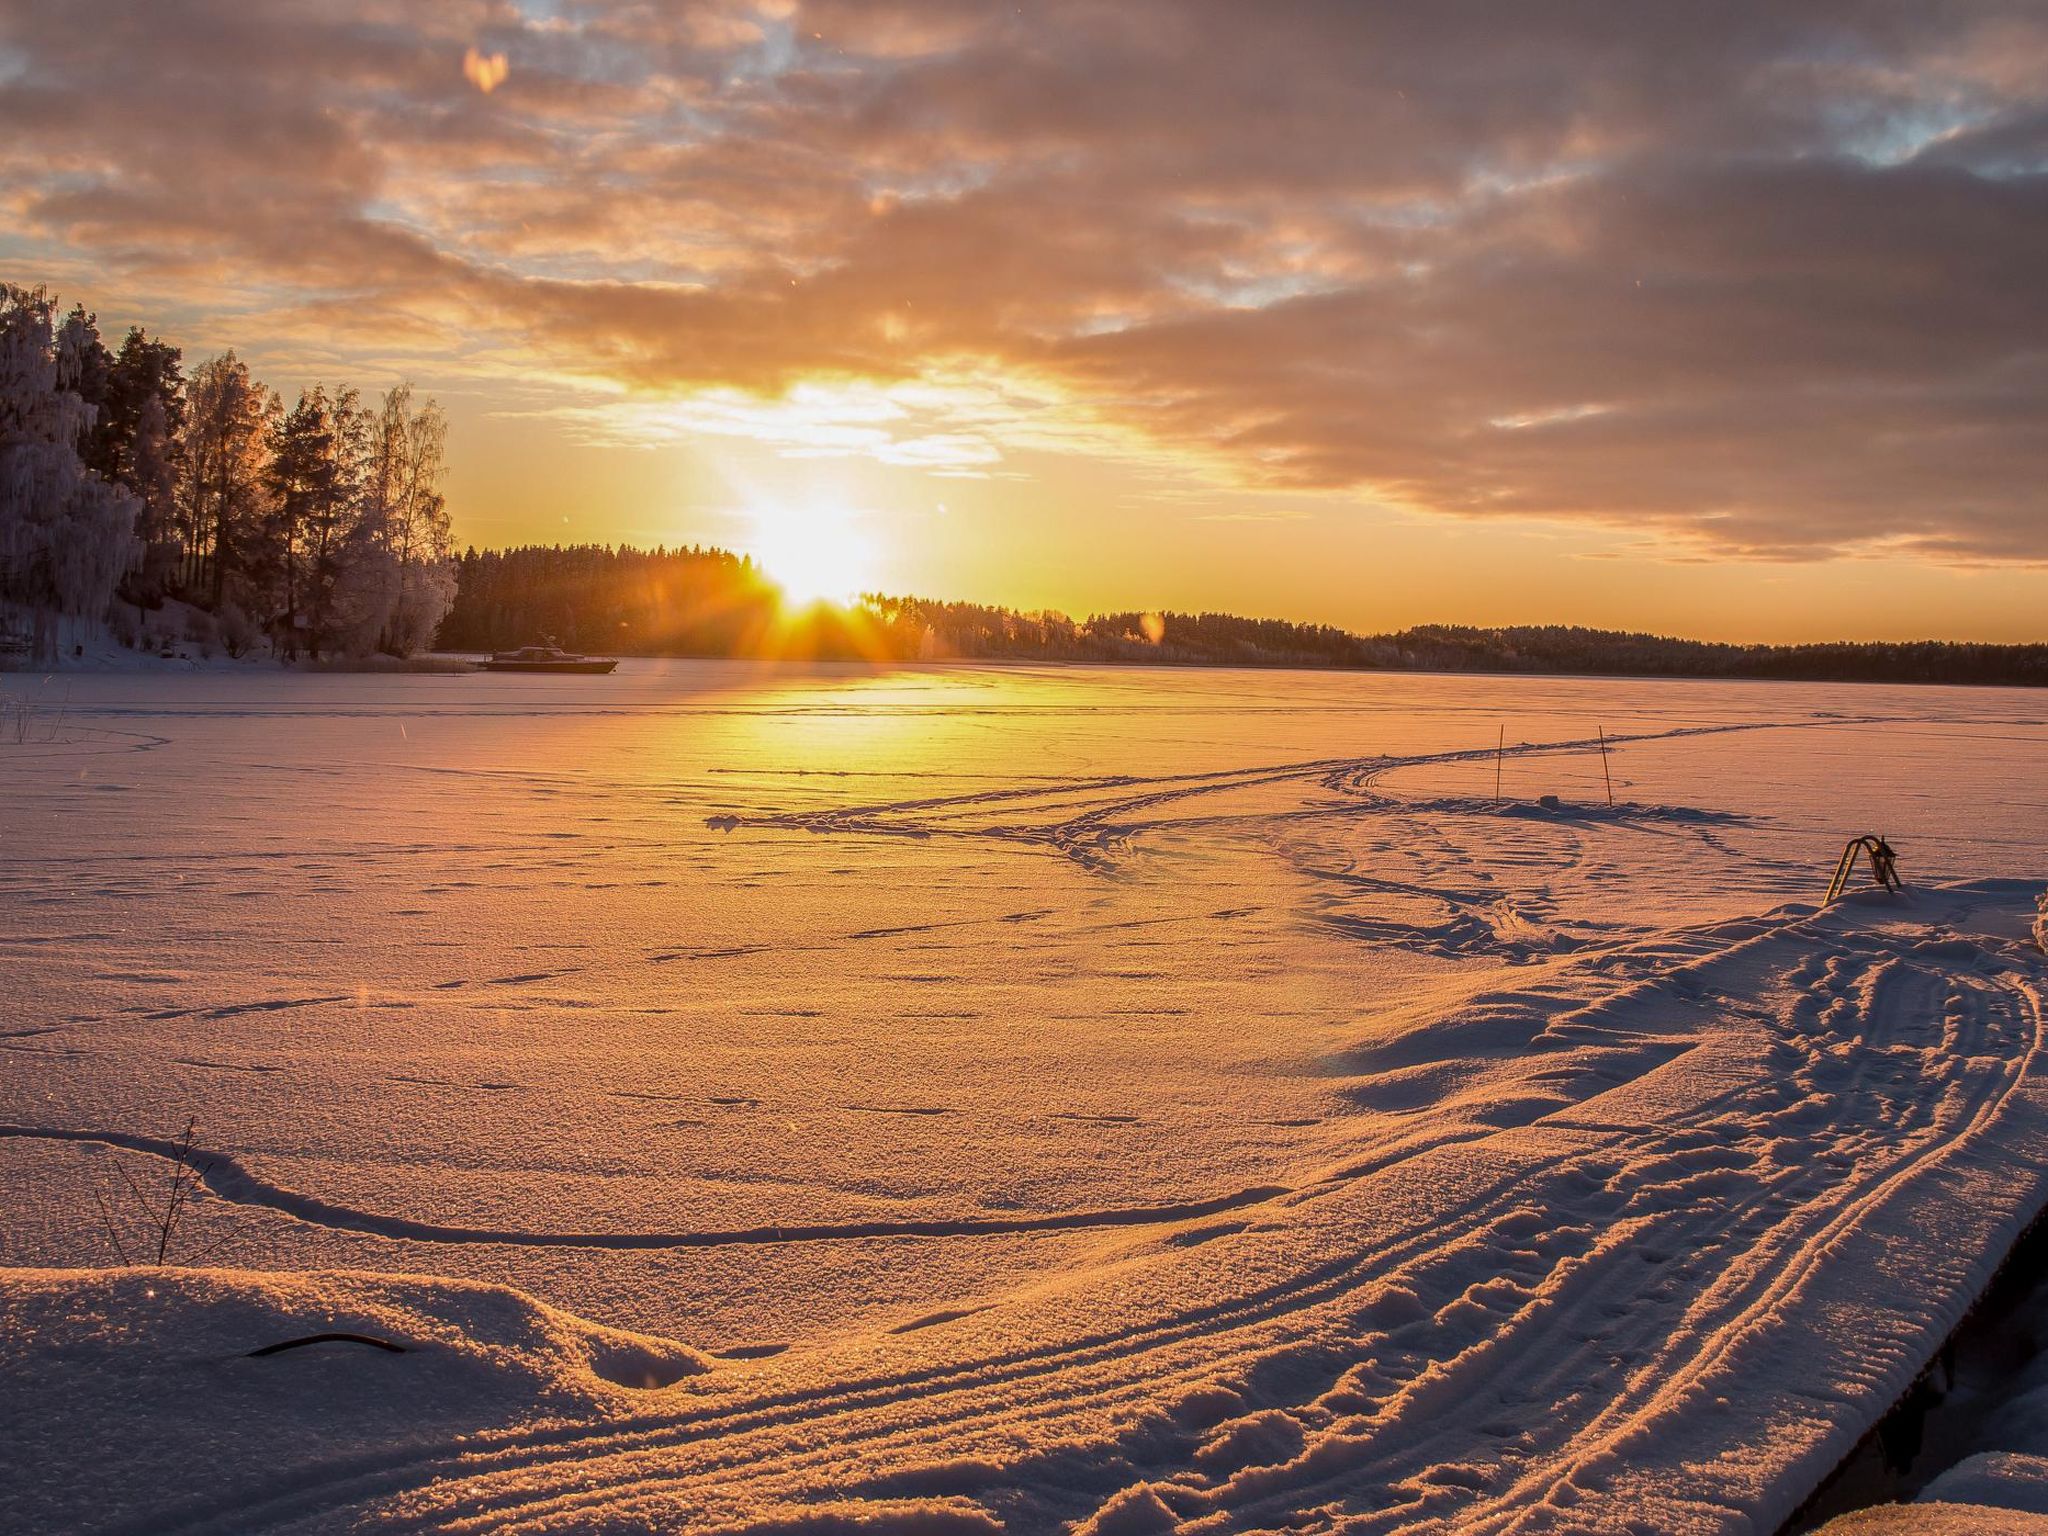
485 71
1749 278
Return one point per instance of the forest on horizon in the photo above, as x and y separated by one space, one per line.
319 528
701 601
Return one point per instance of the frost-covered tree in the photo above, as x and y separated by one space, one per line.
402 561
152 474
84 366
66 534
323 526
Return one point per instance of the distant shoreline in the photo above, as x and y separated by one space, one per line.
462 664
712 603
1203 664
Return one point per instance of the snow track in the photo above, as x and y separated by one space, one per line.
1683 1185
227 1178
759 1104
1091 820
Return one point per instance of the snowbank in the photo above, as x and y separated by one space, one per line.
123 1384
1937 1519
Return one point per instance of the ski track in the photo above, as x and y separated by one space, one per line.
226 1177
1095 836
1513 1293
1614 1266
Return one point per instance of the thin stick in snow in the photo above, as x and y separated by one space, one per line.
1499 751
1603 765
113 1235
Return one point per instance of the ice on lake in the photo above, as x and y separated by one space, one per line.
1015 1096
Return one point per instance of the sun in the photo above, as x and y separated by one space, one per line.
815 553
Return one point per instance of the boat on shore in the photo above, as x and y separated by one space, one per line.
547 658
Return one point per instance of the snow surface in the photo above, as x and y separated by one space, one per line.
957 1099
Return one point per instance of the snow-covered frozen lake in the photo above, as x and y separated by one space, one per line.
1018 1096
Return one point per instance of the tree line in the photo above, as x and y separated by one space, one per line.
593 597
320 528
710 602
317 528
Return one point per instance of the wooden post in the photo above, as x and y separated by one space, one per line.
1603 765
1499 751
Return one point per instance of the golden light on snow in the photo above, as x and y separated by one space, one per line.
1014 970
485 71
814 552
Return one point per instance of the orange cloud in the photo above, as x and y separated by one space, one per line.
1791 254
485 71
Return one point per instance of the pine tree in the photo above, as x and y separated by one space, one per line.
140 420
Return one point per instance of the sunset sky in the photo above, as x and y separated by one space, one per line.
1722 319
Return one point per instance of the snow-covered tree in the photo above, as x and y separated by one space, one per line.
66 535
83 367
323 526
402 562
152 473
